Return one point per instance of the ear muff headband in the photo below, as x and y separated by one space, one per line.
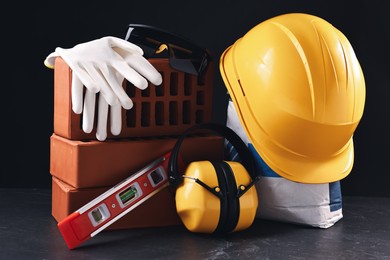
230 204
248 160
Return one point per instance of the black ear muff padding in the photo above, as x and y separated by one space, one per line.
230 205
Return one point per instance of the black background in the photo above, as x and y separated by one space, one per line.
32 30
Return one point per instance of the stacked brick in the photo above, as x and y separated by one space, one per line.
82 167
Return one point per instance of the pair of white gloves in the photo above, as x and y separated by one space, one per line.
101 66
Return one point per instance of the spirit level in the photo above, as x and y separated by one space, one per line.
113 204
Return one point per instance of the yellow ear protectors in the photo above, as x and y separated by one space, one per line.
215 197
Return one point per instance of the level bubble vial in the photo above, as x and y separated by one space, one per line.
129 194
99 214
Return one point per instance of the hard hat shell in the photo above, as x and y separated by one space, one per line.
299 92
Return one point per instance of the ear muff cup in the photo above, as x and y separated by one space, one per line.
216 197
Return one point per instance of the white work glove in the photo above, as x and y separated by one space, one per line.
101 66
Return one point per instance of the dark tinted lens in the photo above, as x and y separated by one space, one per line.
184 65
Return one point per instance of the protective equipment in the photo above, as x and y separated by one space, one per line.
299 92
215 197
183 54
101 66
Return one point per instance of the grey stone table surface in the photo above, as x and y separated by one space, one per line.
28 231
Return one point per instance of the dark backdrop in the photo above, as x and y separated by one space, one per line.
31 31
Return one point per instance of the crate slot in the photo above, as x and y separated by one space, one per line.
187 85
173 110
200 98
145 114
174 84
131 116
186 112
160 90
130 89
199 116
146 92
159 113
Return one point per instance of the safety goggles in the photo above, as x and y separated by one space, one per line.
182 53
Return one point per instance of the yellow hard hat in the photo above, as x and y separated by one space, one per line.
299 92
